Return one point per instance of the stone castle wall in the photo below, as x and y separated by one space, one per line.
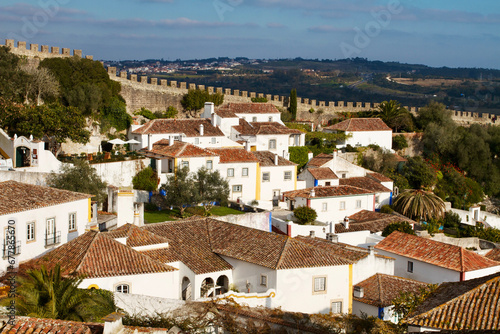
43 51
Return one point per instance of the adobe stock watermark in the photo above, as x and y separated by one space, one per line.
32 24
223 6
9 252
363 37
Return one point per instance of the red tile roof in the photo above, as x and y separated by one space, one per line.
17 197
379 177
381 289
248 108
329 191
94 255
360 124
434 252
320 160
177 150
323 173
189 127
365 183
472 305
266 159
263 128
351 253
494 254
25 325
234 155
371 221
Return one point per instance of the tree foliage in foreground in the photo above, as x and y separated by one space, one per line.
404 227
80 177
211 187
417 203
146 179
195 99
305 214
407 302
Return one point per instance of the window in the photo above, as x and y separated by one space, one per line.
185 164
51 227
377 199
30 231
209 164
72 221
272 144
214 140
324 207
319 284
328 183
410 266
197 141
244 172
254 119
358 204
230 172
336 307
342 205
122 288
270 119
237 188
344 175
263 280
266 177
288 176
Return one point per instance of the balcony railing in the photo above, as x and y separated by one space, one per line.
11 249
53 239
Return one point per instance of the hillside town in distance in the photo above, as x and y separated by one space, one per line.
139 204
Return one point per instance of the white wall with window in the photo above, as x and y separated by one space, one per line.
242 178
282 178
39 230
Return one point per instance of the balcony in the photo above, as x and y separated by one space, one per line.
53 239
11 249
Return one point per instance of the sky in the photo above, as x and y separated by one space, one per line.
458 33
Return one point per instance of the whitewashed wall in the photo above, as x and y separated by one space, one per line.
277 181
120 173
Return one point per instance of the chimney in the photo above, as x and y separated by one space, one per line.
247 146
276 160
170 140
332 237
310 155
209 110
346 222
201 130
113 323
313 192
358 292
372 250
312 234
150 142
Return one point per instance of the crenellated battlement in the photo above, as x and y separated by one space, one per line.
43 51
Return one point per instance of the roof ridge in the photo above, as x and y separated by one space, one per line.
281 258
86 252
380 294
462 265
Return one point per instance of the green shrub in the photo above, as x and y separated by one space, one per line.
259 99
146 179
311 110
399 142
386 209
145 113
305 215
404 227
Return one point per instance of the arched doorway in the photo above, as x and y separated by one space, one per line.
222 285
186 289
23 157
207 288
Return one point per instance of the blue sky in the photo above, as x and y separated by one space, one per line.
455 33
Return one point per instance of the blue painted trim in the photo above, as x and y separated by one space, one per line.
315 182
381 313
390 199
270 221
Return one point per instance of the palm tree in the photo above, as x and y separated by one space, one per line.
393 114
47 294
418 203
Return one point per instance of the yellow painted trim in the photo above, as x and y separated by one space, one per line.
271 295
93 286
350 289
4 154
90 211
258 184
125 193
175 166
253 148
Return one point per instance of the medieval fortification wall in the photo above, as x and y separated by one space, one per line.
158 95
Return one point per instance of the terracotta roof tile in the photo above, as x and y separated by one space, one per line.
365 183
360 124
189 127
494 254
320 160
232 155
351 253
137 237
472 305
371 221
17 197
163 255
25 325
263 128
266 159
248 108
434 252
323 173
95 254
379 177
329 191
177 150
381 289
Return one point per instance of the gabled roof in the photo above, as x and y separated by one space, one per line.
263 128
360 124
17 197
320 160
248 108
323 173
378 177
266 159
365 183
434 252
494 254
349 252
370 221
189 127
233 155
94 255
381 289
469 305
328 191
177 150
25 325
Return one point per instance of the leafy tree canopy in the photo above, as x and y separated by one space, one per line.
305 215
417 203
211 187
146 179
293 103
404 227
195 99
180 190
299 155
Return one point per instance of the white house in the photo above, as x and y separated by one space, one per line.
475 215
364 132
432 261
35 219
